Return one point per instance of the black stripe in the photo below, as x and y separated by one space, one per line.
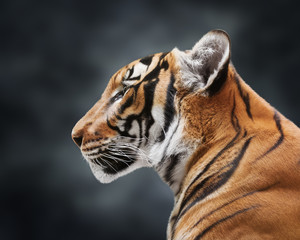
278 125
163 55
112 127
174 160
222 179
130 72
280 139
127 104
244 96
133 78
147 60
164 65
149 90
127 125
194 192
155 72
206 230
169 108
234 119
173 218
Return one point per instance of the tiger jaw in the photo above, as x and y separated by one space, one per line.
104 177
111 160
109 166
115 157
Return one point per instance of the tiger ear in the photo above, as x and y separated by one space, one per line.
204 68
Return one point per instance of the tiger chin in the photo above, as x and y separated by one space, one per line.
231 159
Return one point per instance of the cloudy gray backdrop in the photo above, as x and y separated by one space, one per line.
56 58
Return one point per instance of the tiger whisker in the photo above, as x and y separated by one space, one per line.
116 159
109 164
96 161
121 153
131 138
133 148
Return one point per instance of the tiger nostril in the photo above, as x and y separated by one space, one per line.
78 141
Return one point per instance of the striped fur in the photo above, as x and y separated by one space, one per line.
232 160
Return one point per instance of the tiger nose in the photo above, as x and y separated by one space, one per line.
77 140
77 137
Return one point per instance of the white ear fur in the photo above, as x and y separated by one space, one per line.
201 66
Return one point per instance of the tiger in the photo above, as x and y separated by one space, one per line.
230 158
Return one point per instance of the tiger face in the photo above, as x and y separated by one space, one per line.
118 134
137 122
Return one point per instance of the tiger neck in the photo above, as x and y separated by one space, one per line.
170 156
208 140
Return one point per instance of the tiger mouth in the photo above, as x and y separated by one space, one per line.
112 161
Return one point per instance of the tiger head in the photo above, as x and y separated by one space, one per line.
139 120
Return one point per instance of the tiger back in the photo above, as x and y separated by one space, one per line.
231 159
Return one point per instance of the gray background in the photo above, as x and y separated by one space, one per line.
56 58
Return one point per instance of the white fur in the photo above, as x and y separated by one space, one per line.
138 70
158 115
157 151
134 128
107 178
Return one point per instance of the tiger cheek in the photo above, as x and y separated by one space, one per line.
132 103
139 101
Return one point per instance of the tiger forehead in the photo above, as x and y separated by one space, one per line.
135 70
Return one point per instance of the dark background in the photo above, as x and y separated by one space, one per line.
56 58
